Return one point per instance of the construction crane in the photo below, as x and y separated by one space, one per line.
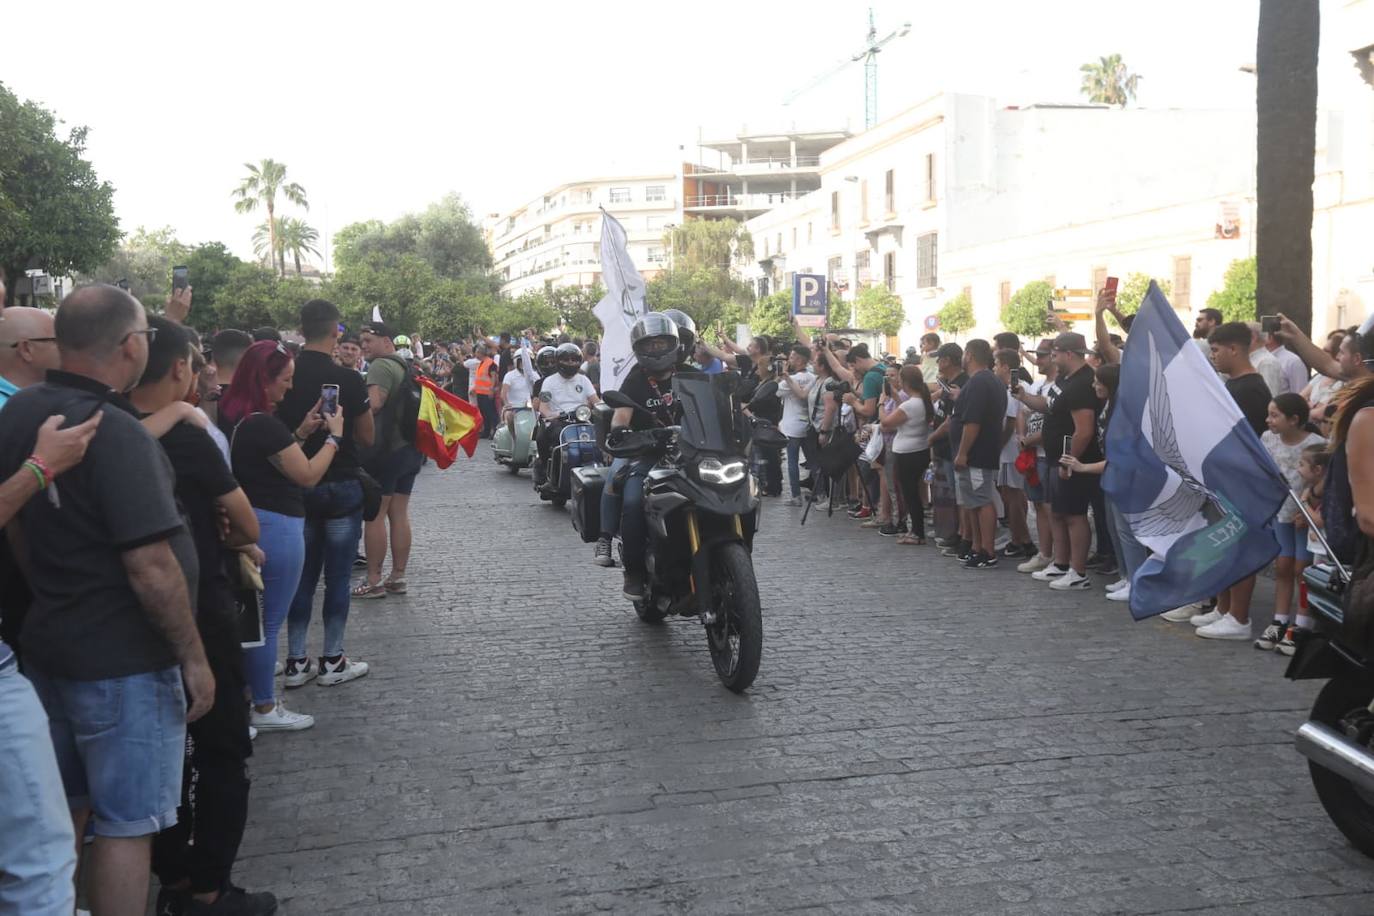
869 55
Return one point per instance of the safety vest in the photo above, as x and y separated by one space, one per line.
482 380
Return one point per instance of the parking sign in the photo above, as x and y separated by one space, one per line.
810 298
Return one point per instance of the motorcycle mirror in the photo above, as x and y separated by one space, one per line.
616 399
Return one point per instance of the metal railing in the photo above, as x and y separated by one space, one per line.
762 200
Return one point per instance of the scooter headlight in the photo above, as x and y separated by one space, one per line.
712 470
583 414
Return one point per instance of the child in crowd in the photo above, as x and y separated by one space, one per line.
1286 440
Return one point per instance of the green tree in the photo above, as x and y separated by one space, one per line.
145 259
296 239
710 295
444 236
211 267
1133 289
530 309
1107 81
722 244
1236 298
771 316
55 212
956 315
1027 313
261 185
575 306
878 308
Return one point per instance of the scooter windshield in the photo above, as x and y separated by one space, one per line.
707 417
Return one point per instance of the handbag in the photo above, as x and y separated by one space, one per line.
1026 464
248 603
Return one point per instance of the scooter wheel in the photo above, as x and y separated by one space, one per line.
513 467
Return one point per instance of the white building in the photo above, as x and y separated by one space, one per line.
960 194
755 171
555 239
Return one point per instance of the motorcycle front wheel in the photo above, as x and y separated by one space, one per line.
735 638
1350 808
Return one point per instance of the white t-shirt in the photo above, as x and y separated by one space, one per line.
566 393
1035 420
794 409
1013 446
519 388
914 433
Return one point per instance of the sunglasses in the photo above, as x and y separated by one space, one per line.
16 344
150 332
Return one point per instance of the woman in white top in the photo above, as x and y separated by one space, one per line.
910 424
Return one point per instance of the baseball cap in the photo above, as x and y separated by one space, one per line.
1071 342
379 328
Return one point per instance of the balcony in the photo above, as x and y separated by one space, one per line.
779 164
747 202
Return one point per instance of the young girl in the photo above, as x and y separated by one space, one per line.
1312 470
1286 440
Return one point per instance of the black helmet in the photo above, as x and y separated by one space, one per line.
569 359
655 342
546 361
686 330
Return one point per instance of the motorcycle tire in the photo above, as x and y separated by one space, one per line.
1351 810
512 467
559 501
648 613
736 638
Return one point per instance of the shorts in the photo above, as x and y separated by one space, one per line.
1035 492
1071 496
1009 476
973 487
1291 542
397 471
121 744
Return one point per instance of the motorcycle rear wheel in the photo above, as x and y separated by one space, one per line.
735 639
1350 809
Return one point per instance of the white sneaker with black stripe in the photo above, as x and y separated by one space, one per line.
340 670
1071 581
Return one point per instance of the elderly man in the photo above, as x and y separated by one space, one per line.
28 349
108 557
1264 362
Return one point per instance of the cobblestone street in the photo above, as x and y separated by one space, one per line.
928 740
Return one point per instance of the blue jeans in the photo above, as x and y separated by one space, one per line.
282 539
37 847
794 447
333 524
120 745
1130 552
610 501
623 513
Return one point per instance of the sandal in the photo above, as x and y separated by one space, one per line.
365 591
911 540
395 586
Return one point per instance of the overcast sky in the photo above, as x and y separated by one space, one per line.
379 108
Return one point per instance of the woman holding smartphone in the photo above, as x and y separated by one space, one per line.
267 460
909 422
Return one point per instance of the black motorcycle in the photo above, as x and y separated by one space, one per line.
1338 738
702 507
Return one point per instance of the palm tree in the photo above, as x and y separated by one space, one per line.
266 245
261 186
1108 82
296 238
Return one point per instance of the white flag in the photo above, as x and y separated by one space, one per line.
622 305
376 313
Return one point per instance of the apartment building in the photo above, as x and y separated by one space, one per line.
555 239
756 170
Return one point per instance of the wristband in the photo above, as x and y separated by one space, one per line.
334 441
40 470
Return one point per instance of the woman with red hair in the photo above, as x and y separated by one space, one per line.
270 466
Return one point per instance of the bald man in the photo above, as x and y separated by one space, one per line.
28 349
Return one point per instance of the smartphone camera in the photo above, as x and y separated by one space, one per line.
181 278
329 397
1269 324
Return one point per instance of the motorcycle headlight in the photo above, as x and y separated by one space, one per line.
583 414
712 470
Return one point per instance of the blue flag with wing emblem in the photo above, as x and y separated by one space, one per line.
1185 469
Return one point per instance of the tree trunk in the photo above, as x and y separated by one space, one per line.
297 257
272 237
1286 121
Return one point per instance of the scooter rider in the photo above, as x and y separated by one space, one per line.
655 341
565 390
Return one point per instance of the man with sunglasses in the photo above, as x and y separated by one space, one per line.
28 349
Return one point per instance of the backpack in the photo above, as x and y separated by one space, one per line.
403 404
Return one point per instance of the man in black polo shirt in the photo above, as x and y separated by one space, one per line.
979 413
1070 416
334 507
950 379
110 641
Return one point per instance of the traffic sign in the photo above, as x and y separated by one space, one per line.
932 322
1063 293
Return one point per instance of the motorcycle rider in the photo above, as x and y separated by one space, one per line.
564 390
687 337
655 340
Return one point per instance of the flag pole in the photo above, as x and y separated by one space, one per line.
1313 526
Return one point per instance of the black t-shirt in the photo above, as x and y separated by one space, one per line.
313 371
1075 393
654 395
86 621
1251 395
983 401
458 382
202 477
256 439
944 409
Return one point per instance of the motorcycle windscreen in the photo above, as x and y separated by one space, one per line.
707 416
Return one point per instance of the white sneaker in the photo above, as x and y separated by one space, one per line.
1050 572
1202 620
339 672
793 501
1002 540
1118 585
281 719
252 733
1227 627
1121 594
299 672
278 670
1035 563
1180 614
1071 580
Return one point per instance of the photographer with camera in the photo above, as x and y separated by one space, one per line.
770 369
797 382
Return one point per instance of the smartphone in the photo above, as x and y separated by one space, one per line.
181 278
1068 448
1269 324
329 395
1110 286
123 283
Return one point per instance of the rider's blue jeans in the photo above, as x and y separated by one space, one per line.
623 512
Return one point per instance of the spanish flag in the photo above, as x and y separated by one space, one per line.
446 422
